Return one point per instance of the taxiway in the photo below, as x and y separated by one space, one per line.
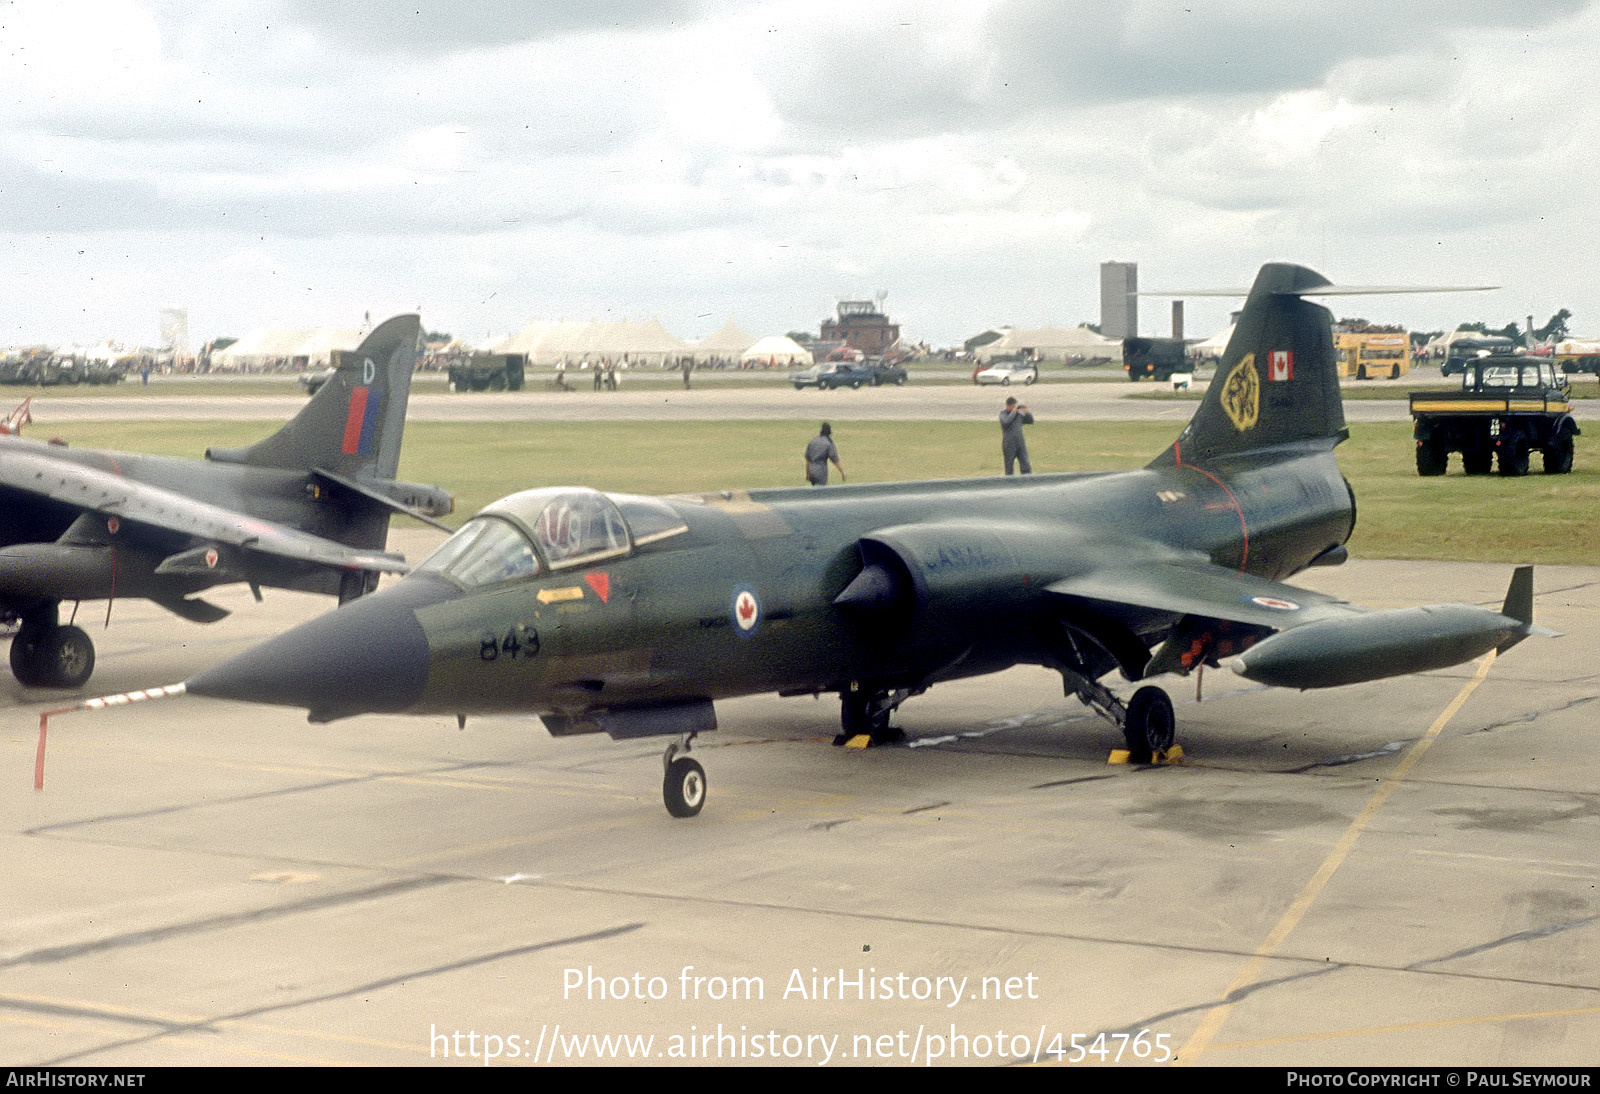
1401 872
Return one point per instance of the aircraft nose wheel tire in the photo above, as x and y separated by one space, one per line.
1151 726
684 788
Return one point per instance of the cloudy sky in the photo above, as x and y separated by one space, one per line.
301 162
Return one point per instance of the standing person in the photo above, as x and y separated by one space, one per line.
1013 445
688 366
820 451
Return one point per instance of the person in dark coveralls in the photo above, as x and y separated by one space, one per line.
820 451
1013 445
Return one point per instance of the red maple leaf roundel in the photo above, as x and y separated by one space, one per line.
746 611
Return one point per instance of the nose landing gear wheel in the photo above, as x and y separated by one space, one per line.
684 787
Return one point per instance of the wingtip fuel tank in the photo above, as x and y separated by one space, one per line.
1375 645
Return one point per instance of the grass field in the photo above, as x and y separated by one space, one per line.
1542 519
1393 391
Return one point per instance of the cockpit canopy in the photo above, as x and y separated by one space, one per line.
554 528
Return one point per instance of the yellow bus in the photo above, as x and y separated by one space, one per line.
1372 355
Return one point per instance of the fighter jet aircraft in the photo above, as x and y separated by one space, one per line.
307 508
632 615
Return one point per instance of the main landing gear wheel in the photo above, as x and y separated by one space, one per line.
684 787
52 657
1151 726
867 712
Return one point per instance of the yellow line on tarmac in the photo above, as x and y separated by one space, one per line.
1211 1024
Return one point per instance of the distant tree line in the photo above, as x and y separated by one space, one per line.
1553 331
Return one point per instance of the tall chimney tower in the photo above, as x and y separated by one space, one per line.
1119 307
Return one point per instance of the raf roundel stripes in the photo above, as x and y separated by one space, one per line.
361 421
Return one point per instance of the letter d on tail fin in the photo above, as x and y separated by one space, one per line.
353 424
1276 384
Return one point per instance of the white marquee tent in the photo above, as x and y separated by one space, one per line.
264 347
1051 344
777 349
635 341
729 343
1213 346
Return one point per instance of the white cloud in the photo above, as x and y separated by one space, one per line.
976 158
1298 121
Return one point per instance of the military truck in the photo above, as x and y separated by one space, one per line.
488 372
1465 350
1157 358
1507 407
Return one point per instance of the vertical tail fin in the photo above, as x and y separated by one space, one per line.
1276 383
353 424
1518 607
1519 597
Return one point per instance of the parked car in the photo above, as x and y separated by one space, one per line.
1004 372
848 374
311 382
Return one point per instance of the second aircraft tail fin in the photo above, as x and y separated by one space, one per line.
353 424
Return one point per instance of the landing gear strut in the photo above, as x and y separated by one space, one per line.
1147 722
683 784
45 654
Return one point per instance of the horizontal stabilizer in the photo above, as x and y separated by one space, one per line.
1309 283
438 500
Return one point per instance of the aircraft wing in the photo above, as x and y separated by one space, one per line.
1201 589
99 491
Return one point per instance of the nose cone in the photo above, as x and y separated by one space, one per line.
369 656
